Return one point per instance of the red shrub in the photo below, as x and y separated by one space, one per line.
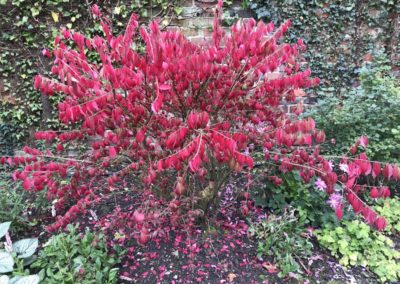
181 117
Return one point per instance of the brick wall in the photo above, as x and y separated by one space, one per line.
196 24
196 19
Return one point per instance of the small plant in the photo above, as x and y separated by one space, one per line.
354 243
72 257
15 257
390 210
307 199
282 238
12 203
20 206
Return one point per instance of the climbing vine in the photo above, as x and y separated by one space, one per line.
339 34
28 27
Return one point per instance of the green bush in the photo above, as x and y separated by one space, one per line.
309 202
372 109
355 243
74 257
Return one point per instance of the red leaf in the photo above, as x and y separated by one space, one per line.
27 184
380 223
374 193
376 169
385 192
112 152
140 135
60 147
144 236
156 105
138 217
396 172
164 87
271 268
364 141
350 182
339 213
195 163
387 171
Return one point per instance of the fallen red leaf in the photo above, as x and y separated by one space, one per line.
270 267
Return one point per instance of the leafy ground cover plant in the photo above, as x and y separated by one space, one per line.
390 209
15 257
370 109
282 237
354 243
74 257
174 122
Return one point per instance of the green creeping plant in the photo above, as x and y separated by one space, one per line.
74 257
355 243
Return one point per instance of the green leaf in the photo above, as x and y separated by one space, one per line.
25 247
4 227
178 10
29 260
4 279
35 11
6 262
31 279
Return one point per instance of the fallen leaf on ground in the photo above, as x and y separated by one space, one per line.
271 268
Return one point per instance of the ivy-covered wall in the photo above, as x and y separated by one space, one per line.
29 26
340 34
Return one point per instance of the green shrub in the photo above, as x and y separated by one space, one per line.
355 243
309 202
372 109
74 257
280 237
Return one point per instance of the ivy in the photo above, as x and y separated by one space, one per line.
370 109
27 28
338 34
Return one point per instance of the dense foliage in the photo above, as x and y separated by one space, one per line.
27 27
354 244
309 202
390 209
74 257
339 34
370 109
